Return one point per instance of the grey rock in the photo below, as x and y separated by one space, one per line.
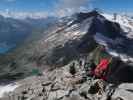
76 97
125 95
126 86
84 87
46 83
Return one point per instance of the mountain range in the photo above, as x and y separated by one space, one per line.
64 40
14 31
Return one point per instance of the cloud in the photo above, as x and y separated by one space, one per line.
61 8
9 0
23 15
68 7
75 4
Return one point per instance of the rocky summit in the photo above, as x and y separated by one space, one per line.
60 84
53 66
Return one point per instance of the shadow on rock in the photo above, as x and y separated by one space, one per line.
120 72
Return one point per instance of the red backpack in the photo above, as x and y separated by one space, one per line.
101 69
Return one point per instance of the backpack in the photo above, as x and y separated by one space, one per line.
101 68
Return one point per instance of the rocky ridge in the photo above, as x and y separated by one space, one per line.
60 84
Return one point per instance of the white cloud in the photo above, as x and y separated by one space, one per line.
23 15
72 3
68 7
61 8
9 0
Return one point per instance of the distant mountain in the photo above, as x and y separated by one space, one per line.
40 22
14 31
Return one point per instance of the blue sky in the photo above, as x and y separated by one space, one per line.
27 5
49 5
114 5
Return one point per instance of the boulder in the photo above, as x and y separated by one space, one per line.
126 86
123 94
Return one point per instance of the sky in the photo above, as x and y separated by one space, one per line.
61 5
115 5
26 5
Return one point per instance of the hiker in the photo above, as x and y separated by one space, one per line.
102 69
99 70
103 61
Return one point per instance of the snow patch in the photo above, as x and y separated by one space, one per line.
7 88
72 27
69 23
123 57
108 16
112 52
101 39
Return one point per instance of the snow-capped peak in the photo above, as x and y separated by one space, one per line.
125 22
